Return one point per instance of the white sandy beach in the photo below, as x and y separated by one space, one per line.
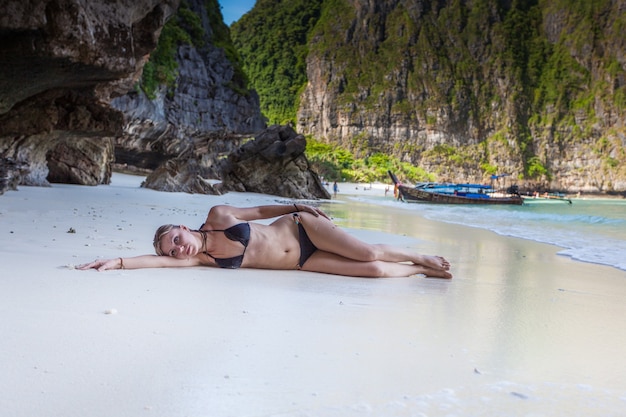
519 331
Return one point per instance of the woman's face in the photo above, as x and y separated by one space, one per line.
180 243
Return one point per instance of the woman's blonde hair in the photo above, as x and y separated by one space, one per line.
161 231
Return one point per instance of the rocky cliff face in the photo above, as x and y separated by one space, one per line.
467 89
183 119
192 132
61 63
69 106
74 100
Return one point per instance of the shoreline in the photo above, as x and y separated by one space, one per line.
518 329
354 187
521 222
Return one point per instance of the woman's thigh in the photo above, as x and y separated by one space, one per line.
329 237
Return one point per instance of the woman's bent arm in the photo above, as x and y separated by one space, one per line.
262 212
137 262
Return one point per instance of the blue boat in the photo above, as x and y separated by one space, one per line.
451 193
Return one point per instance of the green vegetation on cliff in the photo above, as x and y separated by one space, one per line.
161 69
222 39
334 163
272 40
185 28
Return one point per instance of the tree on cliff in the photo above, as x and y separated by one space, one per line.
272 39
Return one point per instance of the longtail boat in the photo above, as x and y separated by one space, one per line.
446 193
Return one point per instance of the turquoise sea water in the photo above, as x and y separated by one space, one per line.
588 230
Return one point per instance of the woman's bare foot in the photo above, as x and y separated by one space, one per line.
433 262
435 273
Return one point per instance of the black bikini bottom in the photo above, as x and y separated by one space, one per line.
307 248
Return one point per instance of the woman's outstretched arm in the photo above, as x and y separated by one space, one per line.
137 262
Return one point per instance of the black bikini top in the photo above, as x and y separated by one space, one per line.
238 233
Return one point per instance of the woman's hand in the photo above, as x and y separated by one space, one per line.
310 209
103 264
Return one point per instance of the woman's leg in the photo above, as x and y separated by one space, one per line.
329 237
331 263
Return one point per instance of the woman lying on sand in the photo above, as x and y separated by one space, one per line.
303 237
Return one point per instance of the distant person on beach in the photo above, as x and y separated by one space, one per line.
335 188
302 237
396 192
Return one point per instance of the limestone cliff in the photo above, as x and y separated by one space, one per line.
61 61
203 112
70 101
466 89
